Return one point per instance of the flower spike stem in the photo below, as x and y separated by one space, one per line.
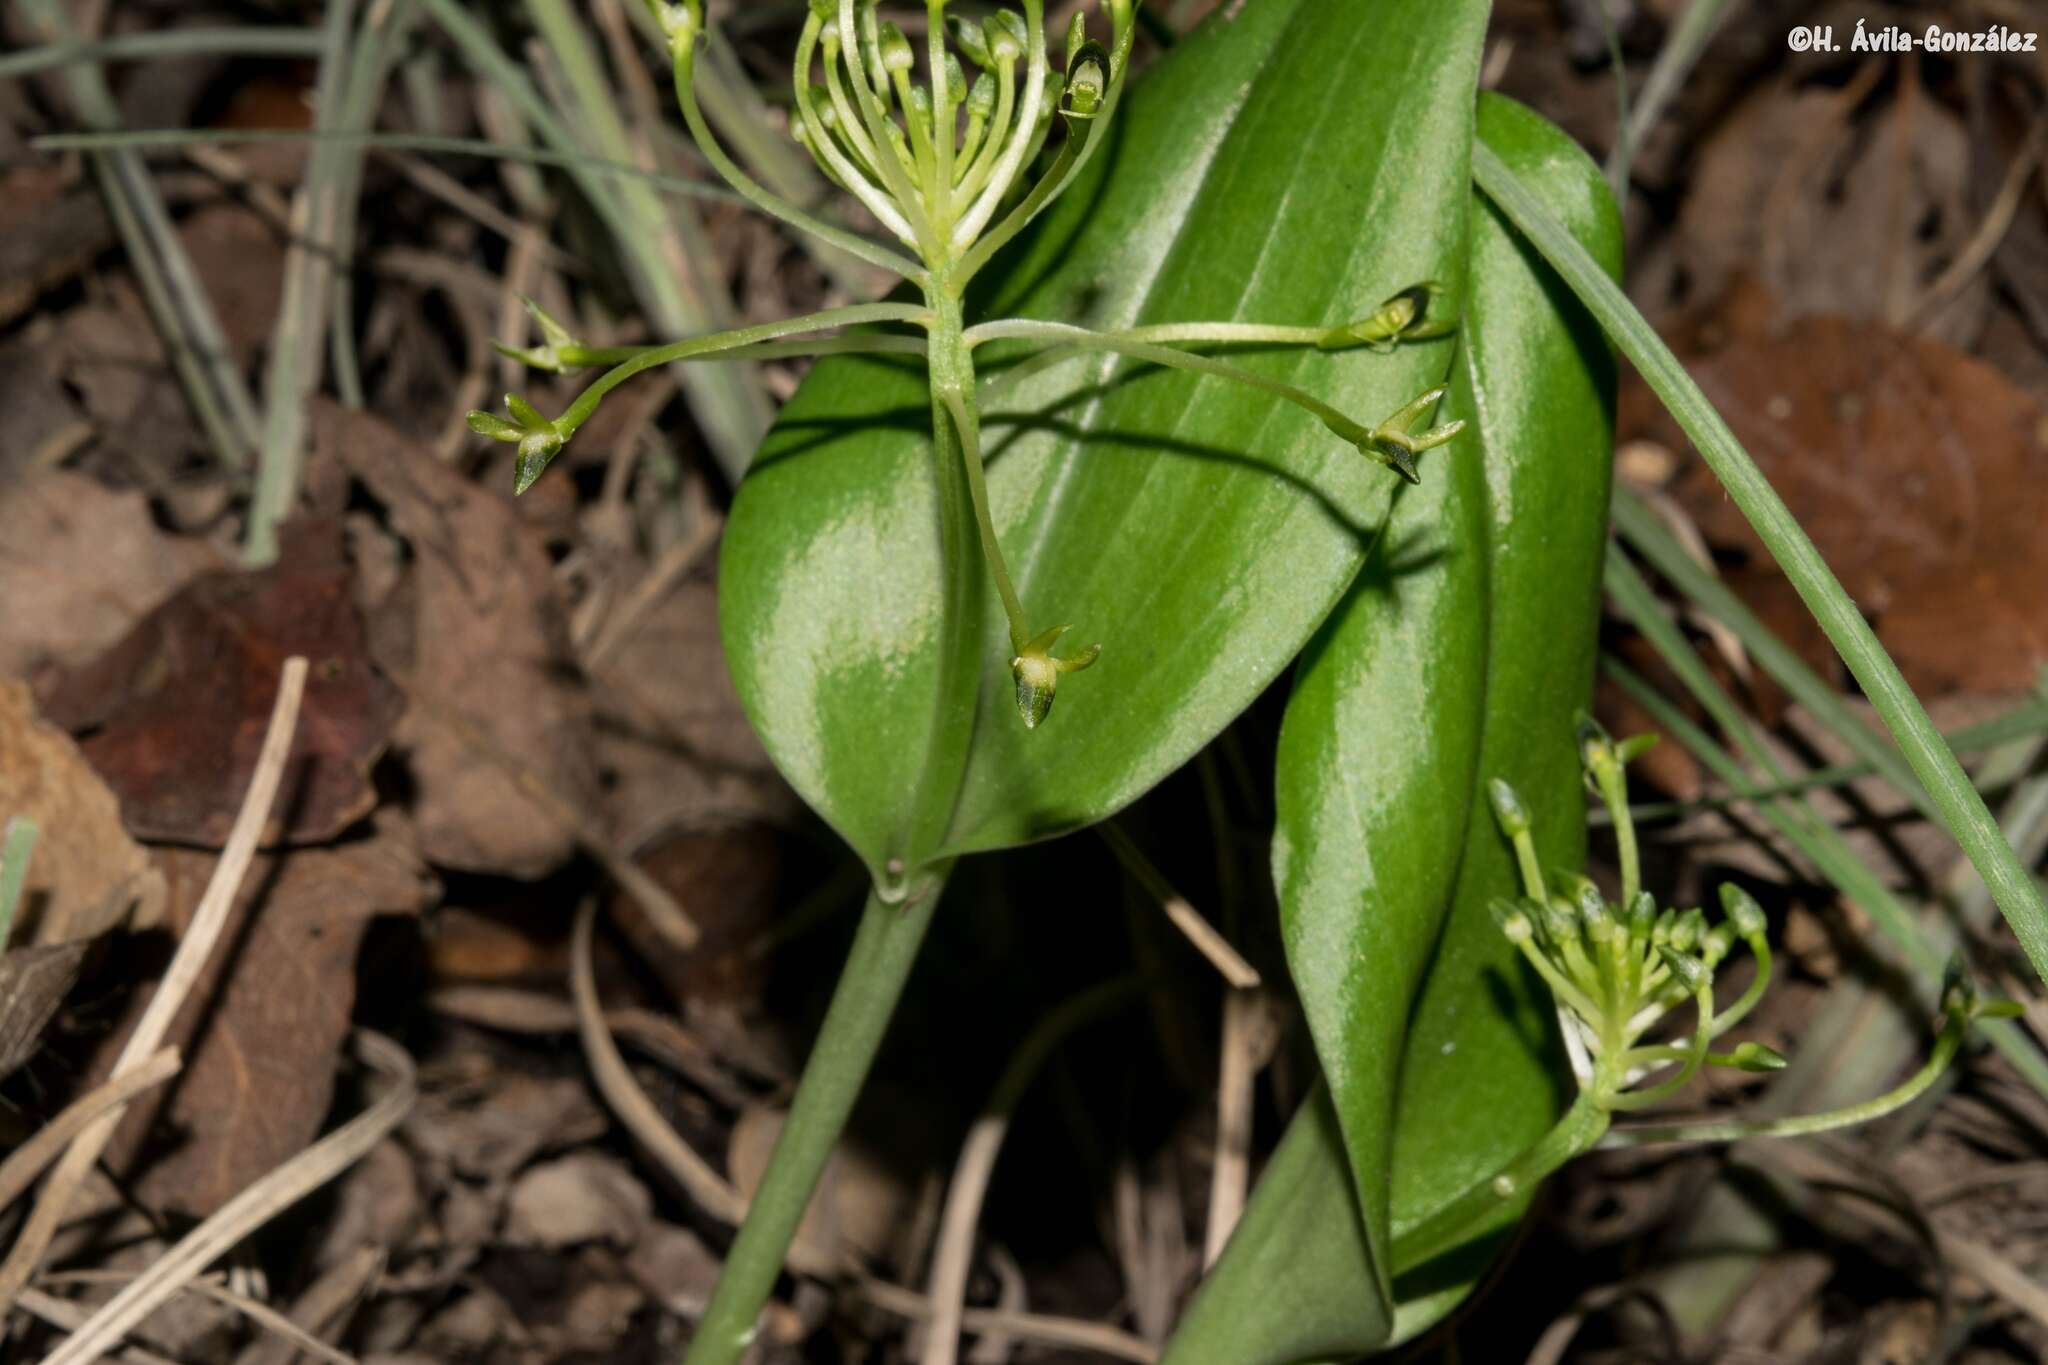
1483 1206
884 949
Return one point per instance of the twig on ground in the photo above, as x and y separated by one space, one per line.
1050 1331
214 1287
70 1316
252 1208
1230 1179
1199 932
713 1193
954 1254
194 949
1998 220
26 1162
325 1306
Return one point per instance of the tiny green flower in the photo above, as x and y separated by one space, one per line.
1038 674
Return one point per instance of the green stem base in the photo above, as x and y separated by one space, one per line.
877 968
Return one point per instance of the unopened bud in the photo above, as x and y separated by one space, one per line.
1508 811
1756 1057
1742 910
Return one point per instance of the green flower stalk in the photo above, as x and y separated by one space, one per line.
953 169
1620 972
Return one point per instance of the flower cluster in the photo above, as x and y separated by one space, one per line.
953 169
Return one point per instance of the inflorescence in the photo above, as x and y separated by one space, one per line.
952 169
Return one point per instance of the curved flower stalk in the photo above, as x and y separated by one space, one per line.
1618 972
953 169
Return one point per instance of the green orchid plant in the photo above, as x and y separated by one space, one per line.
1618 971
953 171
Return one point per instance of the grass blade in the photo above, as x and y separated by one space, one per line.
185 42
160 139
296 355
216 388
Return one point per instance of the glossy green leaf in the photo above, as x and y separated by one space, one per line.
1373 787
1293 162
1369 859
1480 1079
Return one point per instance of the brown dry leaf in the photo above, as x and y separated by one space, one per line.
486 1122
1840 211
33 983
861 1204
240 262
490 660
260 1077
48 232
43 423
86 872
671 732
1921 474
82 564
178 709
582 1197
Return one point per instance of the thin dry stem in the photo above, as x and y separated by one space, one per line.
1198 931
213 1287
250 1209
1038 1327
26 1162
194 949
1231 1177
615 1082
70 1316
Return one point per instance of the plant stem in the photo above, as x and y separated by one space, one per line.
884 950
1474 1211
1961 807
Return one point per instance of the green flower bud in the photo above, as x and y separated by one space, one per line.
1742 910
1642 915
1689 972
1037 674
956 81
1756 1057
1508 811
897 53
1687 930
1560 919
981 96
972 41
1005 36
1513 920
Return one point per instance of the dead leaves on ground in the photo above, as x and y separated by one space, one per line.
87 873
173 715
264 1027
1920 472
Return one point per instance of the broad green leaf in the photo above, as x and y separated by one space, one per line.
1292 162
1373 785
1476 1081
1480 1081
